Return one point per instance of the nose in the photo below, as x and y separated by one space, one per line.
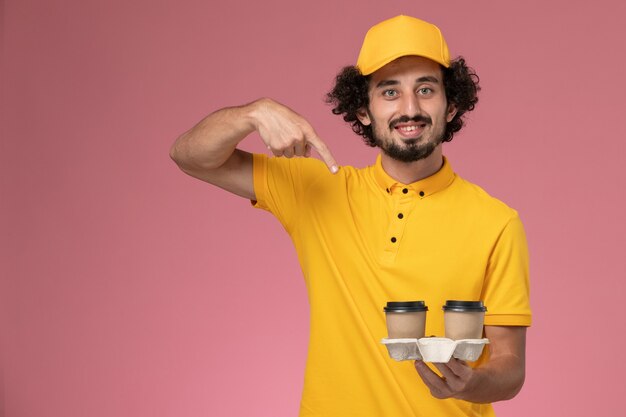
410 105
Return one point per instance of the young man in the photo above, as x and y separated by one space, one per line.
405 228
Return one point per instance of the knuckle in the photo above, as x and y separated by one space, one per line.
438 394
457 388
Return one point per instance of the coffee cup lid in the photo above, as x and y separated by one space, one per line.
461 306
405 306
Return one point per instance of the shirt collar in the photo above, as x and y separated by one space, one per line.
424 187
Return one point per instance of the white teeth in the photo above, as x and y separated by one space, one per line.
408 128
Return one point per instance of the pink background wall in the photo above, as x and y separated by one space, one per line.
129 289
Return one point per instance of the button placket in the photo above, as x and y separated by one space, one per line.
405 200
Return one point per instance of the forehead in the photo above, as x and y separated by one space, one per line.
411 67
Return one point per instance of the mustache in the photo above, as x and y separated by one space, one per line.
406 119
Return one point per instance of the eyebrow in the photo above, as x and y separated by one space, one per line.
427 78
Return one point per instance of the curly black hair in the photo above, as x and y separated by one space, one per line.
350 94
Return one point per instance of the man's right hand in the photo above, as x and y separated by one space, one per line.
208 151
288 134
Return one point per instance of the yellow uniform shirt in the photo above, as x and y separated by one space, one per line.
364 239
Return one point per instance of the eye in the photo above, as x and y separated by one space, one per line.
390 93
425 91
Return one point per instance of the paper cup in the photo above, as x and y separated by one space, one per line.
406 319
464 319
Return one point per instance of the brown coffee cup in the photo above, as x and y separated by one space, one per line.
406 319
464 319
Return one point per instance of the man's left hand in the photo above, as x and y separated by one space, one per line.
499 378
457 378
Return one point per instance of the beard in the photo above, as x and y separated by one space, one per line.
409 150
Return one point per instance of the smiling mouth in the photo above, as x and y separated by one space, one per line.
410 130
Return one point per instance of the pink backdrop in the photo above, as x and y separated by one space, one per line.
129 289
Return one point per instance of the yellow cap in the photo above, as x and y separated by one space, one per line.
401 36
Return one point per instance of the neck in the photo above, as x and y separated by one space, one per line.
409 172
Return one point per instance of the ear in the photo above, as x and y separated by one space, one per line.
452 111
363 115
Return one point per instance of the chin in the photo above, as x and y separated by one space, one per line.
411 141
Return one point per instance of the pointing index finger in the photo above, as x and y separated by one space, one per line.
323 151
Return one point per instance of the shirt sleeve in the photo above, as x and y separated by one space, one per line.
506 292
280 185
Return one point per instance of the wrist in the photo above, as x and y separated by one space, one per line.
253 112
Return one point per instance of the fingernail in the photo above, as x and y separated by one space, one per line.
334 169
